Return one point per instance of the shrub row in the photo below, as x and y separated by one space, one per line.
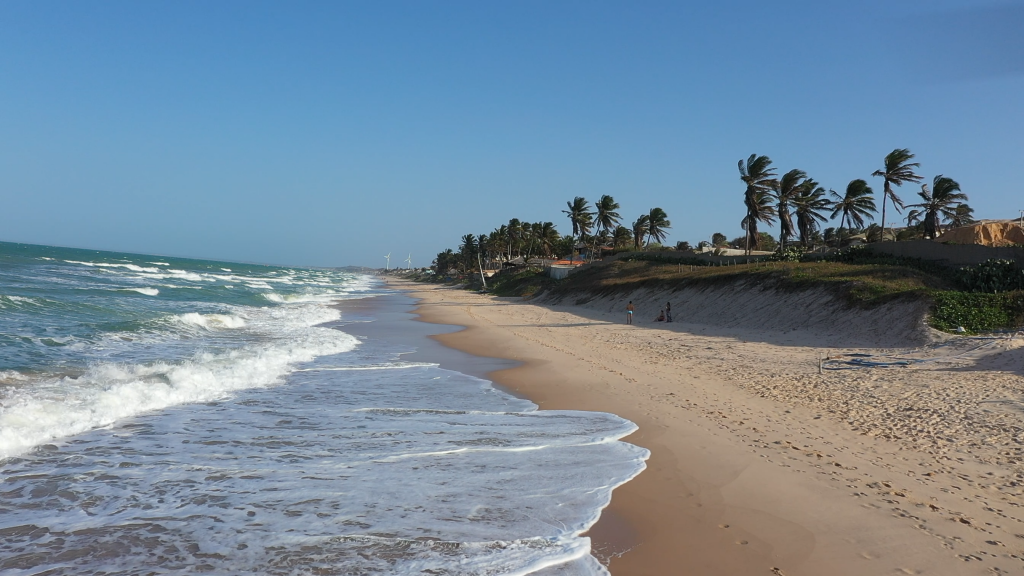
977 312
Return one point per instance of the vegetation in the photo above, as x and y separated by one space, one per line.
983 297
897 171
942 203
759 176
976 312
856 205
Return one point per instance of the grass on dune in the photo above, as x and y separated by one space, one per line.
860 283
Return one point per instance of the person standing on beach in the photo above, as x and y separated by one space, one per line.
629 312
668 312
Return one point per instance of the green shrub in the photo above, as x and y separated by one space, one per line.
977 312
991 276
790 254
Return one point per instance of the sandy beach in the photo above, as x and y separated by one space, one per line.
761 465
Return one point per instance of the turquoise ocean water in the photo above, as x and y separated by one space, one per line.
168 416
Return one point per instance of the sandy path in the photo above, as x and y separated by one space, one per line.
759 464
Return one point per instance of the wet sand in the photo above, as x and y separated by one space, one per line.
758 464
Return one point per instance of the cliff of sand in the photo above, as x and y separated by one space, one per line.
986 233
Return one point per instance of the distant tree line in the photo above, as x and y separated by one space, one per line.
796 202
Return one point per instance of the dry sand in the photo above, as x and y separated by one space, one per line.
759 465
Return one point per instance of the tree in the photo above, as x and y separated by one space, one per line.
580 216
483 247
856 206
622 237
719 239
809 204
831 238
444 262
548 237
789 186
938 204
898 170
766 242
964 216
759 177
606 217
658 225
467 251
640 229
564 246
759 210
683 246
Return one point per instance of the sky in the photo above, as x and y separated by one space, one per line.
333 133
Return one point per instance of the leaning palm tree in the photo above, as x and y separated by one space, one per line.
578 212
605 217
788 188
658 225
809 204
640 228
898 170
855 206
759 177
759 209
938 204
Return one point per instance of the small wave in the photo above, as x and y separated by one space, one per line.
159 263
16 300
211 321
146 291
132 267
11 376
322 298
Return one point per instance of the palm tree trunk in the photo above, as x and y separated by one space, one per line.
885 196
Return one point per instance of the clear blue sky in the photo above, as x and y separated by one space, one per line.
332 133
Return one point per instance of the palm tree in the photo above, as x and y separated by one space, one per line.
898 170
759 209
810 203
548 237
855 206
468 250
964 216
580 215
640 229
606 217
658 225
788 188
515 233
939 204
759 177
621 237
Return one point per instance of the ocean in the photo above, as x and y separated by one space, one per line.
170 416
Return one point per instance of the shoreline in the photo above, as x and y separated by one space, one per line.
737 483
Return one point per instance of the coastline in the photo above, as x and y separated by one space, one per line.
737 483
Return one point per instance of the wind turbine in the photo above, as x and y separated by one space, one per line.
409 261
388 265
